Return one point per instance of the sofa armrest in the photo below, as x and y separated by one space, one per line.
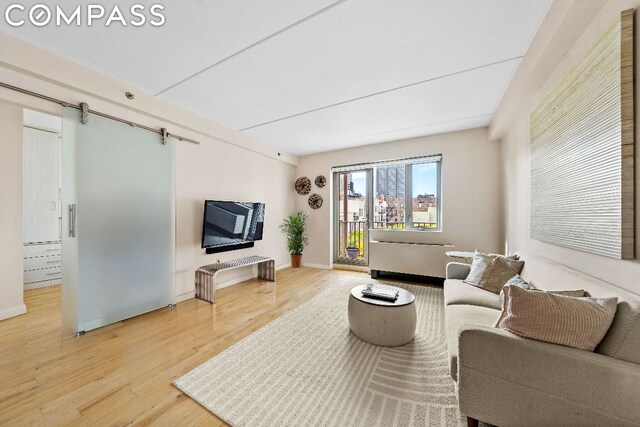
504 379
457 270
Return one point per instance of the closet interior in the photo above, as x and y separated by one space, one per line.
42 209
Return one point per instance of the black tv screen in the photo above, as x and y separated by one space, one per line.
231 223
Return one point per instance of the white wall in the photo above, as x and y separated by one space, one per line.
226 165
223 172
569 29
470 190
11 260
42 121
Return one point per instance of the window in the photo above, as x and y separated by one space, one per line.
407 194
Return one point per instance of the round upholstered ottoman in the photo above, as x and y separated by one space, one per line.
382 322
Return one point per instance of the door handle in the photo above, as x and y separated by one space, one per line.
72 220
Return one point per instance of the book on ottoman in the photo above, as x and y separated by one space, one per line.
380 293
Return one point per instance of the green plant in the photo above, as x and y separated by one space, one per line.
352 239
295 228
355 240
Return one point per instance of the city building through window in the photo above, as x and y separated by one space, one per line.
406 195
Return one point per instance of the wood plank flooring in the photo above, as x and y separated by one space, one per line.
121 374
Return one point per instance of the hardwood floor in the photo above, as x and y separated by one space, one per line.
122 373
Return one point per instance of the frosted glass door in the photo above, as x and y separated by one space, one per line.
118 222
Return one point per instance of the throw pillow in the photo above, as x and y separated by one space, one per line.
480 262
576 294
544 316
498 272
516 281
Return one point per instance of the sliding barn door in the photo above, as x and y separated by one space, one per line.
118 222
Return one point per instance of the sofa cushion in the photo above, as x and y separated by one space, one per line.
545 316
458 292
515 281
623 339
498 272
578 293
481 261
457 316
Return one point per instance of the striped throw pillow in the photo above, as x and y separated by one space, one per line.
544 316
481 261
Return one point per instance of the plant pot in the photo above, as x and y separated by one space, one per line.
353 253
296 261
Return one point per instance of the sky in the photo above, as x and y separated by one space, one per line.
424 179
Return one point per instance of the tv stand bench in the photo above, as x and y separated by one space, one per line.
207 274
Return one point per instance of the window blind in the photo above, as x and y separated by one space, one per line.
406 161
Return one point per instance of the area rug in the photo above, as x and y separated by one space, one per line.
306 368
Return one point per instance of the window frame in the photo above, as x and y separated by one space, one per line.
408 195
408 185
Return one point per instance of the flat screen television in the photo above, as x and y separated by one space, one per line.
231 225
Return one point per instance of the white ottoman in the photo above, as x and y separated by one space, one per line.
382 322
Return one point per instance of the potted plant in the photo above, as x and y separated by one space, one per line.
353 251
295 228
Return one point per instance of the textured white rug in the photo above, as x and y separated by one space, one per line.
306 368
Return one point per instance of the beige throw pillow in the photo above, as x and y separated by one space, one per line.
480 262
579 293
544 316
498 272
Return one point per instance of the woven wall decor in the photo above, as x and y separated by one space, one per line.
582 151
320 181
315 201
303 185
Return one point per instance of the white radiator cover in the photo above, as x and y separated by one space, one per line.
409 258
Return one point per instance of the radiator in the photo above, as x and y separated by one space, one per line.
409 258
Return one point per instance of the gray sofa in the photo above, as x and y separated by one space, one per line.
506 380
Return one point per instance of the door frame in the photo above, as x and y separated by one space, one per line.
336 216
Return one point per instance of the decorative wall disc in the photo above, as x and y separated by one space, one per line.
303 185
315 201
320 181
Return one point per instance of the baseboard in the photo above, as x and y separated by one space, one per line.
40 285
235 281
314 265
13 312
281 266
186 296
407 277
349 267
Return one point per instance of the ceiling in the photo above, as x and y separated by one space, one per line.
315 75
